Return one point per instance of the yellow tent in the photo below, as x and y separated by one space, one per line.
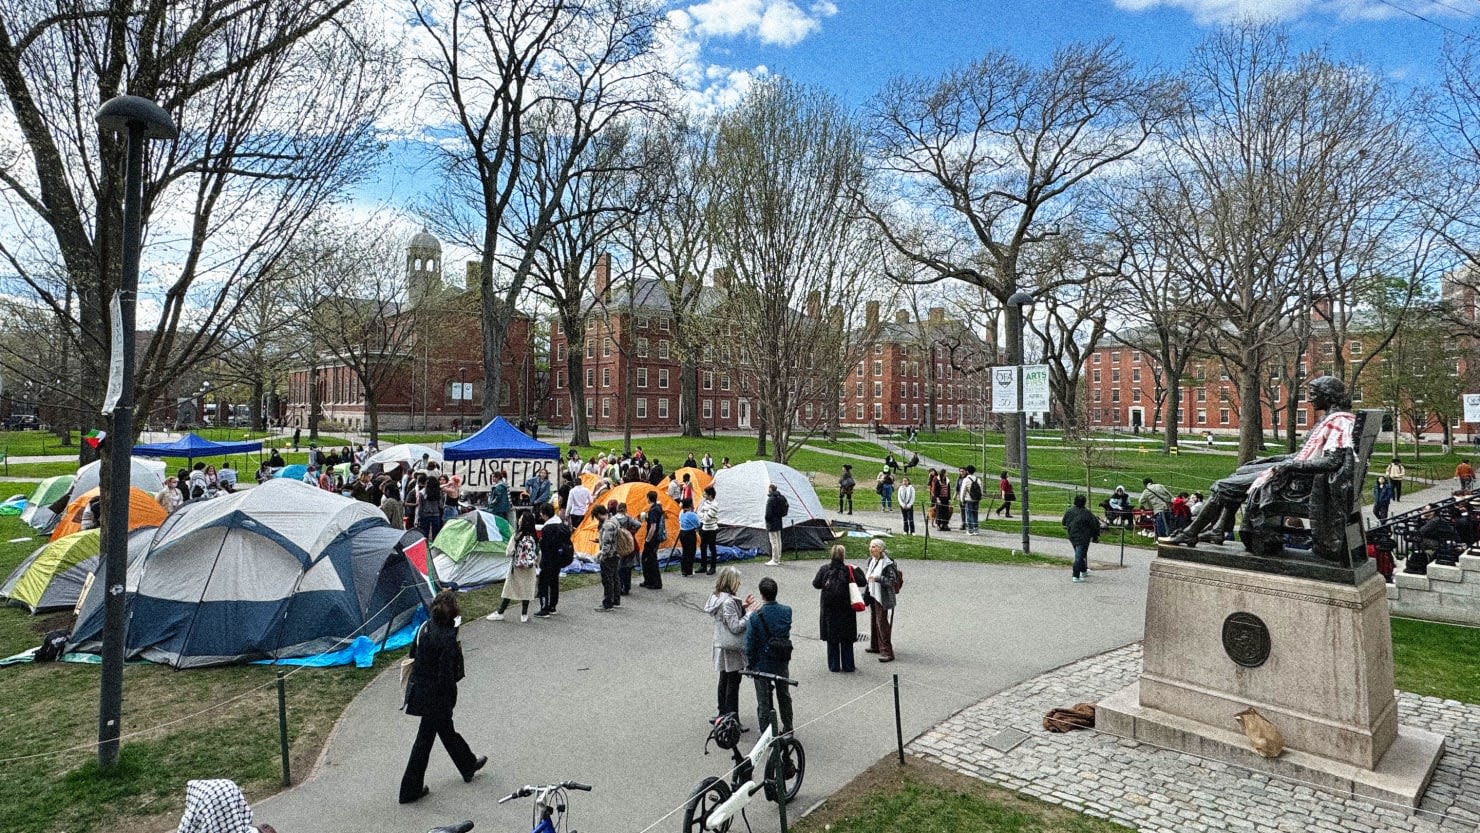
633 496
143 510
697 477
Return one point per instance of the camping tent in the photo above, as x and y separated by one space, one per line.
405 454
279 571
633 496
292 472
52 577
192 446
143 474
698 478
472 550
38 508
742 492
143 510
499 440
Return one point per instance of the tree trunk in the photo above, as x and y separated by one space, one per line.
1251 427
495 336
259 418
315 404
1173 406
372 413
575 344
760 437
688 417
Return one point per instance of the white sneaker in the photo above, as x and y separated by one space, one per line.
524 617
773 563
495 617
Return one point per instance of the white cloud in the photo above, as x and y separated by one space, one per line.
1212 12
775 22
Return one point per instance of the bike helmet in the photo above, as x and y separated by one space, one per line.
726 731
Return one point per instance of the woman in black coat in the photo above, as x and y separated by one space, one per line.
839 627
431 694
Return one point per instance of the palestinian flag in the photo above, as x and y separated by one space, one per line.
95 437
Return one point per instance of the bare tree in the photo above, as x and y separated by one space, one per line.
262 144
1069 322
987 158
1454 125
787 164
508 74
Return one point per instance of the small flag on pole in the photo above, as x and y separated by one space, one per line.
95 437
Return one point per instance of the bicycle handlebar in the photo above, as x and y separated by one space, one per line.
573 785
461 827
772 677
528 790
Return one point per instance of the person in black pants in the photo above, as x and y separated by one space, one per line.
431 694
556 553
709 531
653 534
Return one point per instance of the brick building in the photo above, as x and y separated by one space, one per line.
916 371
434 366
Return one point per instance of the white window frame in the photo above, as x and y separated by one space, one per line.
663 378
642 377
640 407
662 406
724 409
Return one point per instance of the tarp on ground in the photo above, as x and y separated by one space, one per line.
143 474
633 496
143 510
742 491
499 440
283 570
471 550
53 576
38 507
192 446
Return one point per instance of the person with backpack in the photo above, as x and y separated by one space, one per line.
430 503
1083 527
882 576
556 553
768 649
839 624
524 560
970 487
776 509
628 560
846 484
731 619
611 540
654 534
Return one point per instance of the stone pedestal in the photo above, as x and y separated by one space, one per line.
1314 657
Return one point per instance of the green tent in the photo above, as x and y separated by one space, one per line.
472 550
52 577
47 492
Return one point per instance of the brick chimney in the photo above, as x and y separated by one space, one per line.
722 278
902 316
937 315
473 275
871 313
814 303
603 275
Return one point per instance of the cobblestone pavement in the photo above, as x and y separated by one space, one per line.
1155 789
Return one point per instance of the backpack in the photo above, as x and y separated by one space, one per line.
898 578
52 646
777 648
974 489
625 543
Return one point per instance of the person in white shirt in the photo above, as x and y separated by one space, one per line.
906 499
226 478
578 503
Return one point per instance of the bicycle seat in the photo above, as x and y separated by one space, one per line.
460 827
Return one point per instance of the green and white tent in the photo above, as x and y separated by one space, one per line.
38 506
52 577
472 550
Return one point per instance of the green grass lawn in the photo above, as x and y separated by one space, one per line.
1436 659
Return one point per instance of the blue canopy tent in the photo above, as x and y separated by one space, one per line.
191 446
499 440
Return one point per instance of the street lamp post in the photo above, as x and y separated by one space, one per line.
1023 301
140 119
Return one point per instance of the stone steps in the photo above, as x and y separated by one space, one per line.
1446 594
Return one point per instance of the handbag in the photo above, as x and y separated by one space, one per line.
855 593
409 662
725 638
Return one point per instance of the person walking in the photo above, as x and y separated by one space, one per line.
776 509
768 625
906 499
556 553
430 503
881 574
431 694
885 487
709 531
731 618
940 499
846 484
654 535
524 559
970 488
839 625
1466 475
612 540
1004 492
1382 498
1395 473
1083 527
688 536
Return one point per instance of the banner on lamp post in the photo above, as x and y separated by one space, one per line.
1035 388
1005 389
1472 407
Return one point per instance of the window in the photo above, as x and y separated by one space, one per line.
590 408
560 352
1096 394
642 347
878 349
842 410
1202 416
606 346
1115 357
1114 416
724 409
1354 348
641 407
606 377
560 378
1135 394
663 349
904 391
642 379
590 349
809 411
1114 395
1114 374
590 378
1202 394
878 411
904 411
915 413
878 389
663 405
606 407
1222 416
858 412
858 390
878 368
709 380
724 381
642 322
860 370
1300 417
1095 375
1223 395
1099 415
708 408
662 328
915 389
557 407
1136 374
1136 356
1097 361
1356 393
558 327
663 378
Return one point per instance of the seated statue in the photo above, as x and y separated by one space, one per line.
1268 482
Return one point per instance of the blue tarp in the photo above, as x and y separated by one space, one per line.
293 472
191 446
500 440
361 652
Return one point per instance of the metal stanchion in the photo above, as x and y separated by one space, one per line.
283 727
898 724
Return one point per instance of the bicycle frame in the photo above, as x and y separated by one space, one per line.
744 792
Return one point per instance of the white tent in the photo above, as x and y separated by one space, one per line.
742 491
144 474
405 454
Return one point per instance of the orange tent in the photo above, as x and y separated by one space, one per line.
634 497
697 477
143 510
